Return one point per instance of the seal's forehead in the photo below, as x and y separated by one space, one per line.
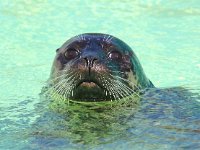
93 37
103 40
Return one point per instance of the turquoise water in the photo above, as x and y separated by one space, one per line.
165 35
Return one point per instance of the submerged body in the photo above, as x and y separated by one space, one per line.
96 67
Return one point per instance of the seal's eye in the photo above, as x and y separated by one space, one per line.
115 55
71 53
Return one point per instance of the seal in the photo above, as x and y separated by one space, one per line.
96 67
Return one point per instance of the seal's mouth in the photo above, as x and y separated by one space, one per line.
88 84
89 90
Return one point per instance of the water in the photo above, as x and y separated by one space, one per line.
165 35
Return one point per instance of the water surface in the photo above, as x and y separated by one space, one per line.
165 37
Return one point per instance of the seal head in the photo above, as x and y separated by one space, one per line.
96 67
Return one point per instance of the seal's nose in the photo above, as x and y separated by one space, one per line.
89 61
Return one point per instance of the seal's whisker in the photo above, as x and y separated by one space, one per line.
117 89
110 66
104 37
125 88
109 38
63 89
54 92
128 89
68 84
78 37
69 90
131 90
60 77
108 87
81 37
115 71
120 85
66 71
113 88
52 88
128 81
111 93
58 87
115 93
121 89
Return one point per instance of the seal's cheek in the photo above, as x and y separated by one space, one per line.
126 65
133 80
60 61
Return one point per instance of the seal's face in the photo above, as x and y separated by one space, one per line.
95 67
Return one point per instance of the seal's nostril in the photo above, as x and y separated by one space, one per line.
89 61
86 62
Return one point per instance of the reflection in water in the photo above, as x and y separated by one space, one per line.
87 123
162 116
